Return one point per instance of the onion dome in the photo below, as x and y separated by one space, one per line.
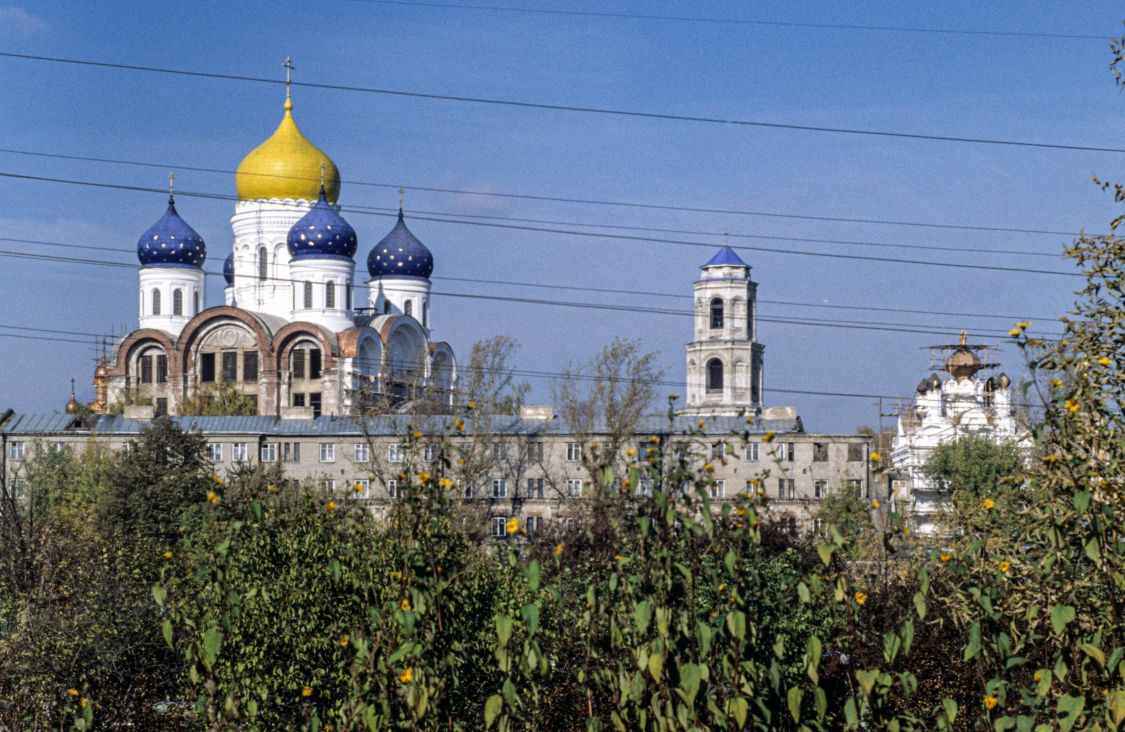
321 233
170 242
286 165
725 257
400 254
962 364
923 386
72 405
935 381
228 269
1003 380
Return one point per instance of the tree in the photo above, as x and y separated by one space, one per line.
972 467
225 400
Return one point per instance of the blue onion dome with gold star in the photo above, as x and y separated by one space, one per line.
228 269
400 254
170 242
322 233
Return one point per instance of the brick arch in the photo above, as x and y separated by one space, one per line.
285 338
139 339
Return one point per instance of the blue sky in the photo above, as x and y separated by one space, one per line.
1055 90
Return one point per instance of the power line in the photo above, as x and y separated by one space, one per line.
740 21
810 322
609 291
605 111
561 199
371 211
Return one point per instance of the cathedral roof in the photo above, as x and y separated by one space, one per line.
286 165
400 254
321 233
170 242
726 257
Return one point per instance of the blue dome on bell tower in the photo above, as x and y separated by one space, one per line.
170 242
228 269
322 233
400 254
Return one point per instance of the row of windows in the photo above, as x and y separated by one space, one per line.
155 304
329 296
786 451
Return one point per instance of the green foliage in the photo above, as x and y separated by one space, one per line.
972 467
223 400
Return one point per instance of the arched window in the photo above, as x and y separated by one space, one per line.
409 309
263 264
717 313
305 362
308 295
425 313
714 375
177 301
195 302
155 302
329 294
386 306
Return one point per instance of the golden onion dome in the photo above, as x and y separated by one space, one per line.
286 165
72 405
962 364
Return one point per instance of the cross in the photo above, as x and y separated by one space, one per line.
401 194
288 66
322 174
72 387
171 183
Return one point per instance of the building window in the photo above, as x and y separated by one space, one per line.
644 487
574 487
534 451
408 308
360 487
718 450
429 452
177 301
328 452
362 452
195 302
308 295
499 527
499 488
820 489
328 484
269 452
314 402
291 452
161 369
856 485
263 264
15 450
820 452
534 487
392 488
348 296
386 307
395 453
426 315
784 452
146 369
161 408
534 524
788 525
304 362
156 302
855 452
719 489
469 490
207 368
330 294
250 366
818 526
716 313
786 488
499 451
750 452
230 366
573 452
216 452
714 375
239 452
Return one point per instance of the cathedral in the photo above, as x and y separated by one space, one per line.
291 339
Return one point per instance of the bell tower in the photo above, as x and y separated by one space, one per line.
724 360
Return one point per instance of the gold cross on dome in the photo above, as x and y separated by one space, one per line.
171 183
288 66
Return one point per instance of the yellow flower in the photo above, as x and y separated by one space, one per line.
218 480
1037 676
358 488
558 550
445 484
740 511
1052 458
710 468
625 483
213 498
471 405
273 489
874 504
630 452
1056 383
702 424
417 435
593 447
875 457
423 477
1071 405
404 605
1023 324
722 587
513 525
769 436
307 691
83 702
990 702
750 420
331 505
406 676
653 439
1005 565
167 555
906 529
1104 361
1014 332
72 692
459 424
395 575
344 641
988 504
945 556
618 558
860 598
673 397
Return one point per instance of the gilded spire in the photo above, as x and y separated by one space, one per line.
288 65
